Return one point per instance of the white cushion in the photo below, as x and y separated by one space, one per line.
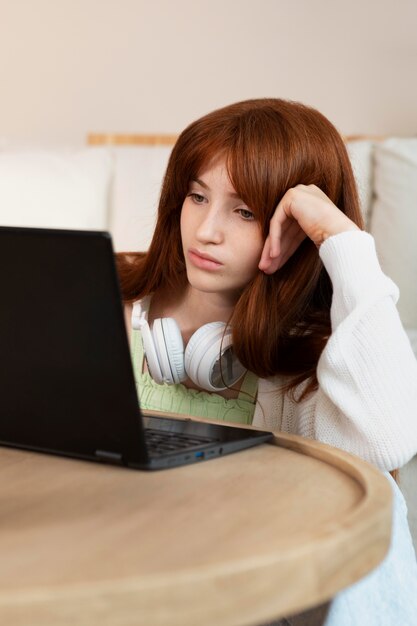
139 172
394 219
55 189
360 153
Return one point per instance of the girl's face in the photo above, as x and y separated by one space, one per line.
221 240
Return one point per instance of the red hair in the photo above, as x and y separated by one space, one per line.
281 322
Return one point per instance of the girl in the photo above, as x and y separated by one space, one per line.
259 227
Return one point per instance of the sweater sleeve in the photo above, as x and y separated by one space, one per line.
366 402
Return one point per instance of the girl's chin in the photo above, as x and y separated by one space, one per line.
229 293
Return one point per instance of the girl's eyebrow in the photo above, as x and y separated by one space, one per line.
233 194
200 182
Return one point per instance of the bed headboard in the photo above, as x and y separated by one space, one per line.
120 139
144 139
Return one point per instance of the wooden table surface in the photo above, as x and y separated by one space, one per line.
240 539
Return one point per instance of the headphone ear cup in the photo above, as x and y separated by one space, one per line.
169 347
151 354
204 353
175 348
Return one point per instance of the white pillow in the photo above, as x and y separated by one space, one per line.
394 219
139 171
55 189
360 154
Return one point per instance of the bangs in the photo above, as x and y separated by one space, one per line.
257 172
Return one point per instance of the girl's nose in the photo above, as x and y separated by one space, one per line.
210 229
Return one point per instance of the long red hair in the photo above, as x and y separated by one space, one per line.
281 322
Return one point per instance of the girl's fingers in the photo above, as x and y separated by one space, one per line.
291 247
265 256
277 229
293 237
278 236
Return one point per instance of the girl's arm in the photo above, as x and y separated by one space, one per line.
367 397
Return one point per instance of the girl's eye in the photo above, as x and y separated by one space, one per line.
198 198
246 214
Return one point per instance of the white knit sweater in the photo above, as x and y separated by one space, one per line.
366 402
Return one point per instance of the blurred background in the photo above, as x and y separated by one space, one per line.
69 67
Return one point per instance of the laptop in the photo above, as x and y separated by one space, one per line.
66 383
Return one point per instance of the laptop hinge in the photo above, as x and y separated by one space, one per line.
109 457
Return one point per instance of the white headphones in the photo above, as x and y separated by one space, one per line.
208 358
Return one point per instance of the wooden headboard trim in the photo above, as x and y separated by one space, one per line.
117 139
120 139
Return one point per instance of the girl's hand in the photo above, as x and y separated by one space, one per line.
304 211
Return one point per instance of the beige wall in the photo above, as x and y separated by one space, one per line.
72 66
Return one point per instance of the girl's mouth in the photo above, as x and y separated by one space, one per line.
203 261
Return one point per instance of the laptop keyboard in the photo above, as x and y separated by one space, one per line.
161 442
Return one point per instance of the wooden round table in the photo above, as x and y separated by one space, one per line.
241 539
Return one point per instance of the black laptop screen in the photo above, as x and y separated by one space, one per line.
66 379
